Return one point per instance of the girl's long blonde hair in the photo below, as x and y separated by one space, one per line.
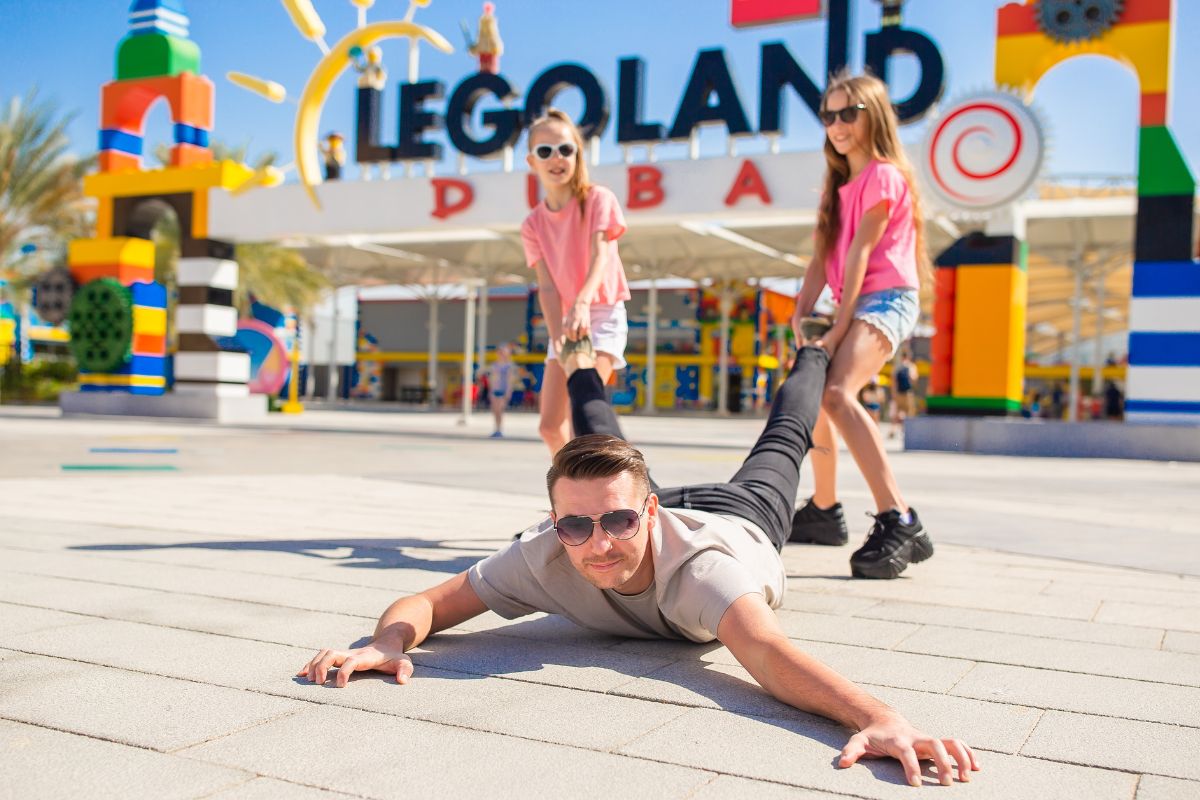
580 185
884 144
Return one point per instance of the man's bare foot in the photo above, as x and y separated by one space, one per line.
812 329
576 355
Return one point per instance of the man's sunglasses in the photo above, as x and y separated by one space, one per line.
545 152
846 115
620 524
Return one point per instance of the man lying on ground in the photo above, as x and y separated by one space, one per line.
697 562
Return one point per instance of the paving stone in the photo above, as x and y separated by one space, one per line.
543 627
1181 642
1031 651
842 630
1003 622
803 753
314 629
1156 616
821 603
310 595
209 658
983 597
595 669
374 755
16 620
272 789
729 788
991 726
498 705
1117 744
1092 575
1140 595
1155 787
38 762
1088 694
999 727
137 709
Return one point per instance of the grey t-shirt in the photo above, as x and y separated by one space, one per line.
702 563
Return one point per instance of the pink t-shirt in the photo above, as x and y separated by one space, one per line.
563 240
893 262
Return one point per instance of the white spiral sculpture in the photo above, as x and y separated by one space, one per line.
983 152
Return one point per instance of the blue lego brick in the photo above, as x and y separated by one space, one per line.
186 134
149 295
1147 349
1162 406
1166 279
121 141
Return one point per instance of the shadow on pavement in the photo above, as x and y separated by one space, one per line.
419 554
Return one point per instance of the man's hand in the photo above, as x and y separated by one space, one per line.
377 656
831 340
894 737
578 321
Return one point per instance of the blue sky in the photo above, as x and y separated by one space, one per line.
66 48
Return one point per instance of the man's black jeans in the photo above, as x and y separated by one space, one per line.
763 490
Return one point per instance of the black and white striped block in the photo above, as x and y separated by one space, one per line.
206 310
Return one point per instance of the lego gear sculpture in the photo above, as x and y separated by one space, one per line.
54 292
1077 20
102 325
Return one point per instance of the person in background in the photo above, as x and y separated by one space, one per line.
871 397
501 376
904 396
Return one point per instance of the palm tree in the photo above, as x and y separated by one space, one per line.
276 276
41 188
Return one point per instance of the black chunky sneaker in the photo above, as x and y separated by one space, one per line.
812 525
891 546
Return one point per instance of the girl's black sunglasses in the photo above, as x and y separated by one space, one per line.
847 115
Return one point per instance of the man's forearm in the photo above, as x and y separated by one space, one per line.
408 620
805 683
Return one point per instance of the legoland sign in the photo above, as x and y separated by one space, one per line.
709 97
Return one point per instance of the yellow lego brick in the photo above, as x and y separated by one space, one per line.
149 320
170 180
989 331
200 215
1022 60
101 379
122 250
104 218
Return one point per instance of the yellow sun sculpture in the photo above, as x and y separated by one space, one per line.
333 63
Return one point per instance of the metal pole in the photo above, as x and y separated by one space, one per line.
1076 320
331 384
726 304
481 331
468 362
651 345
1098 356
432 378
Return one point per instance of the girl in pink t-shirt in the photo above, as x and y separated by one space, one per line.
570 238
870 250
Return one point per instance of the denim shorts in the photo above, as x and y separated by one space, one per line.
610 331
893 312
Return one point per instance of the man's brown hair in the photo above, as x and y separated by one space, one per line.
597 455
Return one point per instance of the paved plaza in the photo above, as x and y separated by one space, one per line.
161 583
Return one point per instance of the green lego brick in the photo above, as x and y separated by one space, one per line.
156 55
970 406
1162 169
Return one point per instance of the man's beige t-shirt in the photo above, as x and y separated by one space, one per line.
702 563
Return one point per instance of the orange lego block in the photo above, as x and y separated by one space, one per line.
1154 110
185 155
104 218
123 104
124 274
149 344
116 161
